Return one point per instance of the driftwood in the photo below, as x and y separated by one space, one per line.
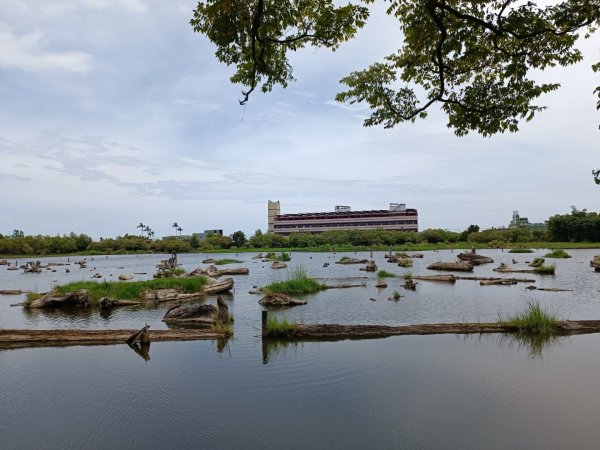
518 280
277 299
416 255
168 295
549 289
442 278
125 277
106 302
216 286
142 336
410 284
381 284
343 286
209 261
595 263
395 257
474 258
198 314
462 266
4 262
82 264
33 338
346 260
370 267
32 267
11 292
234 271
278 265
337 332
168 264
503 268
80 299
498 282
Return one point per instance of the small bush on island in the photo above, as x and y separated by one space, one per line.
557 254
520 250
298 283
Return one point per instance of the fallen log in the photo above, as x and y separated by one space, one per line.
106 302
11 292
347 260
198 314
339 332
168 295
79 299
32 338
518 280
216 286
343 286
549 289
498 282
441 278
462 266
234 271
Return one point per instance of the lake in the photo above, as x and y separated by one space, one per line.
412 392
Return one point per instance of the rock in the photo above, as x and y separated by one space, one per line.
277 299
278 265
125 277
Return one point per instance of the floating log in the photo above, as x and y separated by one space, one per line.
462 266
474 258
549 289
234 271
442 278
278 299
343 286
518 280
278 265
31 338
498 282
79 299
11 292
503 268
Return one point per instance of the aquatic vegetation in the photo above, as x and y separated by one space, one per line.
384 274
520 250
559 253
537 262
546 270
131 290
396 295
169 273
31 296
407 275
533 319
222 262
298 283
280 327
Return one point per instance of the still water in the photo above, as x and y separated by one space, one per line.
413 392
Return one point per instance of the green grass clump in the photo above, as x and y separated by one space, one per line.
131 290
537 262
280 327
407 275
405 262
520 250
384 274
557 254
534 319
222 262
298 283
31 296
170 273
546 270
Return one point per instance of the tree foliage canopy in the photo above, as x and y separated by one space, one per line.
472 57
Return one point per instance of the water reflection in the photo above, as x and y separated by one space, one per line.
142 349
533 344
274 347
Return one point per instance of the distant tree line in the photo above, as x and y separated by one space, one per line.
578 226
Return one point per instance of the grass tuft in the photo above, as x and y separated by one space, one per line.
557 254
298 283
534 319
384 274
280 327
131 290
520 250
545 270
537 262
407 275
222 262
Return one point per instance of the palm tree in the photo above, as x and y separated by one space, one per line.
143 228
180 230
176 226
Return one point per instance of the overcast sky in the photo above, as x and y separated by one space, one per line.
113 112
